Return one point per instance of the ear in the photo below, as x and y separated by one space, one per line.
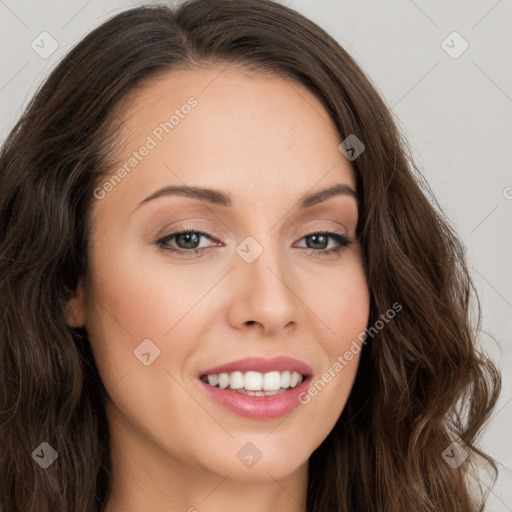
75 310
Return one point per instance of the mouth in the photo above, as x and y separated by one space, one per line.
254 383
258 388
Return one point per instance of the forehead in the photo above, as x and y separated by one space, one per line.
251 133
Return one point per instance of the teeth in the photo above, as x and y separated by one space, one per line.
236 380
285 379
271 381
295 379
260 393
255 383
213 380
223 380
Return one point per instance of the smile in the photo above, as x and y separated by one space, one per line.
255 383
258 388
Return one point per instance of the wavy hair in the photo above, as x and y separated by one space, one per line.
422 382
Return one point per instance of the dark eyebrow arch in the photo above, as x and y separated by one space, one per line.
221 198
322 195
202 194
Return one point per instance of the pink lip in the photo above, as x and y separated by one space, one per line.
259 364
258 407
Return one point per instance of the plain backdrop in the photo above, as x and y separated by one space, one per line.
443 68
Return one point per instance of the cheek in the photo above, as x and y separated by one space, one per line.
135 297
348 312
132 305
125 306
344 304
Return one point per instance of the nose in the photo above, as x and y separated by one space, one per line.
266 294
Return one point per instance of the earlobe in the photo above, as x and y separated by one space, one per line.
75 307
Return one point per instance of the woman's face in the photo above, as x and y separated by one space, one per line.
159 314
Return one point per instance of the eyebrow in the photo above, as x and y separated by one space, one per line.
218 197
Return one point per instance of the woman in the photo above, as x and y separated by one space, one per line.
223 285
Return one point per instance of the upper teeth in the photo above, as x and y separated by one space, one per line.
256 381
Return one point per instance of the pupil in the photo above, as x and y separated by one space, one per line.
315 240
186 237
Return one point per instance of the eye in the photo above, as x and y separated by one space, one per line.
186 242
321 238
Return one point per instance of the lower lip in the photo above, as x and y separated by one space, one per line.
258 407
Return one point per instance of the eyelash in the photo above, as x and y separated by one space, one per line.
163 242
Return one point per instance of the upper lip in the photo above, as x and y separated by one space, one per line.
262 365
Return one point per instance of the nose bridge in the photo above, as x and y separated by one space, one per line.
265 282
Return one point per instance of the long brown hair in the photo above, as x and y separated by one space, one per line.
421 383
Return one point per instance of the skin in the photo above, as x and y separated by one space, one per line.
266 141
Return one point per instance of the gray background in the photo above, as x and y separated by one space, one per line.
455 111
